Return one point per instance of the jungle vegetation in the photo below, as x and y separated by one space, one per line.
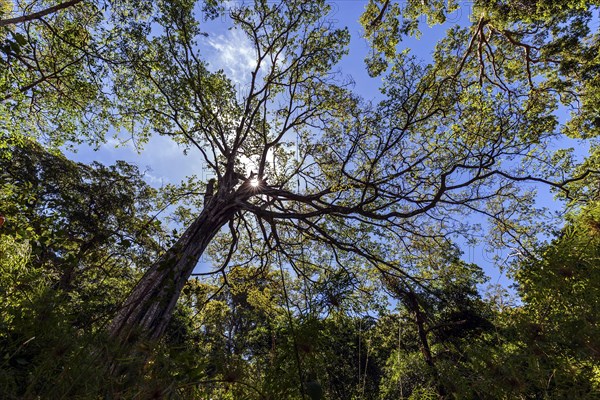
336 225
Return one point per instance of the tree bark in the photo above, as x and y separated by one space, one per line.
148 308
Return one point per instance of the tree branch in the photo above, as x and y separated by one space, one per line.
39 14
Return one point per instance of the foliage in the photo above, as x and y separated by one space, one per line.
261 332
557 323
74 238
326 210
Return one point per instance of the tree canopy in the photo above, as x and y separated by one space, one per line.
332 220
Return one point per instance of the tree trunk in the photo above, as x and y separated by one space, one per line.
149 306
420 320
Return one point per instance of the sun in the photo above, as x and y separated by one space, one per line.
254 182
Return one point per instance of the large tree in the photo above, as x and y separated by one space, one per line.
301 162
447 139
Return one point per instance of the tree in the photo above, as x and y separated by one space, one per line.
57 64
263 333
445 140
294 52
79 218
309 178
300 161
557 350
436 326
74 239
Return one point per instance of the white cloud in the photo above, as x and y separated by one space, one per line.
234 54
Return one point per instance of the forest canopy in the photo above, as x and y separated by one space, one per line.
334 223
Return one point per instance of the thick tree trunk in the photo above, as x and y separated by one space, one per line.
148 308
